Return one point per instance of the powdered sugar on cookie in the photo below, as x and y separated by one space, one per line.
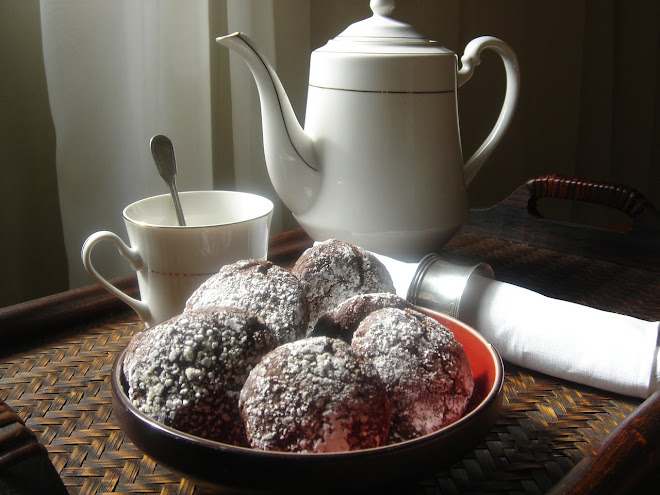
426 372
261 287
315 395
187 372
332 271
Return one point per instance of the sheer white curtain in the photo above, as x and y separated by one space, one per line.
118 73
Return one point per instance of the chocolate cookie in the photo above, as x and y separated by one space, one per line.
425 370
332 271
342 321
261 287
187 372
315 395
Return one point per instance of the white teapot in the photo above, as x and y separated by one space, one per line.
379 162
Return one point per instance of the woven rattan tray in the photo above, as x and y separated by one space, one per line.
57 380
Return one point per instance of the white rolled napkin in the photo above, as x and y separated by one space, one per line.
610 351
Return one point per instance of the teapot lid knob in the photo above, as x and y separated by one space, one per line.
382 7
380 27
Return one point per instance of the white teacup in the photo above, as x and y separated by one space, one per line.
171 261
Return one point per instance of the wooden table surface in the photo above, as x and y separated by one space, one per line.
552 436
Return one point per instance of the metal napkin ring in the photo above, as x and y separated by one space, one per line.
439 285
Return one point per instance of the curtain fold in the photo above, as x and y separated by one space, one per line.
281 31
249 162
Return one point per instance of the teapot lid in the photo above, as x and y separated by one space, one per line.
381 33
369 55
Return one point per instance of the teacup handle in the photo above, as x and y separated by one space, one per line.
469 60
130 254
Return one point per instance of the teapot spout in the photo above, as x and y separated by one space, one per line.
289 151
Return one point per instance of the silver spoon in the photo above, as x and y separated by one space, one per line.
163 153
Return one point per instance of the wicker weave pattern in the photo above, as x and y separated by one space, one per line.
61 389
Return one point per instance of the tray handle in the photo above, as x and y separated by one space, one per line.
623 198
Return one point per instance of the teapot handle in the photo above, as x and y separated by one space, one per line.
469 60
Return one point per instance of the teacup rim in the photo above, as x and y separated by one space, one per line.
270 206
